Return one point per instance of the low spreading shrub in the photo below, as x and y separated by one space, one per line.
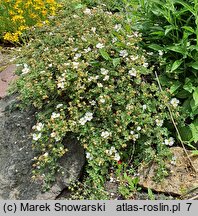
85 74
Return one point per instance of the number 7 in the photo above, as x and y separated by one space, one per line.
189 205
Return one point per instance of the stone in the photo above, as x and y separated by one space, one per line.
181 178
16 156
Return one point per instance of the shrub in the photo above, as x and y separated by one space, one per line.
170 28
86 75
16 16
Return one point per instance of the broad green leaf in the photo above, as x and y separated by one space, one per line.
155 47
104 54
186 6
176 64
116 62
164 80
175 86
189 28
185 133
194 65
178 49
193 106
195 96
188 86
183 94
194 130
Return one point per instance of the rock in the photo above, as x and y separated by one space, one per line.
181 178
16 156
6 77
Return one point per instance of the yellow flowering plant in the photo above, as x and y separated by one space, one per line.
16 16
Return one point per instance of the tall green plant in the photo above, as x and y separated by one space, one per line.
170 31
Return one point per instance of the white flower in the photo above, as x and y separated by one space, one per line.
39 126
169 141
50 65
53 134
144 106
135 137
46 49
159 122
133 58
88 116
93 102
100 85
139 128
88 156
112 150
77 55
123 53
25 70
131 132
136 34
160 52
75 65
87 50
133 72
84 38
75 16
117 27
106 78
114 40
105 134
104 71
55 115
145 64
46 154
93 29
61 85
174 102
82 121
117 157
102 100
36 136
59 105
99 45
87 11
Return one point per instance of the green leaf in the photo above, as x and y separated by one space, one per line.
189 28
159 33
193 106
177 49
175 86
195 96
176 64
188 86
104 54
195 153
155 47
169 28
186 6
185 133
150 194
194 130
194 65
116 62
